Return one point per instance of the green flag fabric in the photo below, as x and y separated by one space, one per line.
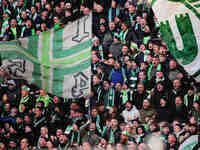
179 27
57 60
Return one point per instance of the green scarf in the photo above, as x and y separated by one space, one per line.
123 36
109 98
186 99
124 96
98 124
158 68
23 100
45 99
14 31
73 138
112 136
4 26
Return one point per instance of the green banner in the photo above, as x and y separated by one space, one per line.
57 61
179 26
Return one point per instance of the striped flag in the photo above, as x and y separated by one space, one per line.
57 61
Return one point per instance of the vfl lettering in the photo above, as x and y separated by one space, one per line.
17 67
81 32
81 84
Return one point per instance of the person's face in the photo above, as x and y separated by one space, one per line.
146 104
139 130
24 15
56 20
178 101
12 144
43 131
172 64
95 59
27 119
192 129
166 130
125 49
23 143
131 9
5 98
63 139
114 123
102 28
43 27
37 112
142 47
142 76
13 23
128 128
123 27
155 61
160 87
159 75
20 2
176 128
196 106
143 22
140 88
86 146
128 106
44 15
42 93
14 111
132 145
177 84
117 65
193 120
59 132
92 127
96 80
106 85
171 139
162 103
28 23
94 112
114 4
118 86
33 10
119 146
155 48
42 142
111 26
7 107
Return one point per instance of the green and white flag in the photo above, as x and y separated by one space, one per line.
179 27
57 61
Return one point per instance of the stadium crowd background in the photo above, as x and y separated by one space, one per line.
137 89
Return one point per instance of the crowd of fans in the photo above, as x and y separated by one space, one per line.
137 89
22 18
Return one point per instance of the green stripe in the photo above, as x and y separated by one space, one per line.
7 48
74 59
152 2
197 73
45 58
60 52
192 1
197 5
58 75
33 45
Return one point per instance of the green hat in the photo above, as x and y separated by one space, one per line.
125 133
25 88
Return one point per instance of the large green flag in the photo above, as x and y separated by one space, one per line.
57 61
179 27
